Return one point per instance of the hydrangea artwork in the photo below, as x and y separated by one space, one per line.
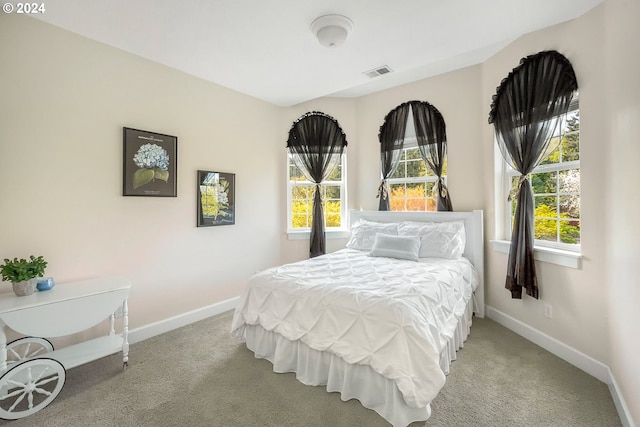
150 161
216 193
153 163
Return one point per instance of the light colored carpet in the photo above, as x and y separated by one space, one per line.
198 376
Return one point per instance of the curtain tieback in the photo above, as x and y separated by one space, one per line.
382 190
439 185
514 191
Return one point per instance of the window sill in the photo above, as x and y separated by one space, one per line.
302 235
544 254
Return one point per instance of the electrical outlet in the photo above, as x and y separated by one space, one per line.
548 311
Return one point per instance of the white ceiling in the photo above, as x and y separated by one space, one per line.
265 48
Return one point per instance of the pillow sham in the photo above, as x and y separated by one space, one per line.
400 247
363 233
437 239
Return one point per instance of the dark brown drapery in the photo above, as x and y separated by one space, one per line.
432 141
391 137
524 113
431 134
316 143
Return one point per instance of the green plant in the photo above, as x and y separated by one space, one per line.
20 270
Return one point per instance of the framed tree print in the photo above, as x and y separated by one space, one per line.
149 164
216 198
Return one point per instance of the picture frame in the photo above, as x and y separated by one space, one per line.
150 162
215 198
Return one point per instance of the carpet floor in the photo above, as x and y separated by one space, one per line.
199 376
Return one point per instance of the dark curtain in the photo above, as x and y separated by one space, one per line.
391 137
316 143
431 134
524 112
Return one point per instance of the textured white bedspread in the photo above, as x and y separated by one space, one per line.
394 315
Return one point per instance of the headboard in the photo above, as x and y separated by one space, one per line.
473 226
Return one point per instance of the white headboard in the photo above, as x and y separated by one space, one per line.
473 225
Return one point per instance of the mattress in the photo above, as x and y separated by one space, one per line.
400 319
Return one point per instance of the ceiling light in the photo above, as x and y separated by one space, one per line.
331 30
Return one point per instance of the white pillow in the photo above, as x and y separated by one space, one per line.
438 239
363 233
401 247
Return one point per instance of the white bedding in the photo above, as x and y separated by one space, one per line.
395 316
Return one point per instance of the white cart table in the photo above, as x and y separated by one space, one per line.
32 372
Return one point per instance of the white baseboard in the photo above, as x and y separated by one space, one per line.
552 345
618 400
151 330
578 359
563 351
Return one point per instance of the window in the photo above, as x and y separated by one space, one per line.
300 194
411 185
556 188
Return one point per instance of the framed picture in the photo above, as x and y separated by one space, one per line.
150 164
216 198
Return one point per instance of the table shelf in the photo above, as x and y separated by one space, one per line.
66 309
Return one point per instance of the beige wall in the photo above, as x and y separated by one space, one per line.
621 132
64 100
594 309
578 296
457 96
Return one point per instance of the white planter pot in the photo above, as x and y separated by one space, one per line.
26 287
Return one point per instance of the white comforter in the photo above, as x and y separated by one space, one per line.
395 316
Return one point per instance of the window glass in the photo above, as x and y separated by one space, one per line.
411 185
301 193
556 187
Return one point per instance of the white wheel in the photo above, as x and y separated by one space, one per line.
30 386
27 348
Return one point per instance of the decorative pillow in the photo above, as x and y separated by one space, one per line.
438 239
363 233
401 247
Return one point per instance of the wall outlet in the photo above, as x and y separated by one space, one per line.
548 311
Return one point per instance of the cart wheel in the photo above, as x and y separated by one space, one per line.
30 386
27 348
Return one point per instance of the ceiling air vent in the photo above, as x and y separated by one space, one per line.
378 71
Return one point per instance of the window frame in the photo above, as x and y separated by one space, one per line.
567 254
303 232
412 143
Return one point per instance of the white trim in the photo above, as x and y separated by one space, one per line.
575 357
305 235
618 400
569 354
160 327
545 254
343 197
504 172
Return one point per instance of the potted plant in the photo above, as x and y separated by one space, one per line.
23 273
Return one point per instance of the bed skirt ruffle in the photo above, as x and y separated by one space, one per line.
317 368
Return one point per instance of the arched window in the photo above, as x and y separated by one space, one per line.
315 151
413 146
529 114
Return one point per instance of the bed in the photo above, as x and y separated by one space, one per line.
377 321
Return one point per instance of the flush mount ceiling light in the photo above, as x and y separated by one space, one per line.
331 30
